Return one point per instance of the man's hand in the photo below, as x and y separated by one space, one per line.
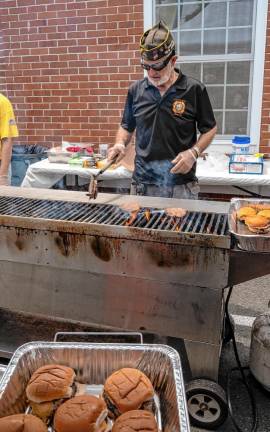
4 180
117 150
183 162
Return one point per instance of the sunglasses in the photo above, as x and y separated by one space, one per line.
157 66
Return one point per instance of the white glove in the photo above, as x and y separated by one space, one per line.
117 150
183 162
4 180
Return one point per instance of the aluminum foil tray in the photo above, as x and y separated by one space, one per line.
2 370
93 363
246 239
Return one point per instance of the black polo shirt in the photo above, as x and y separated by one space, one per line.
166 125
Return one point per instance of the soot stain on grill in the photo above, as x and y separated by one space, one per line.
67 243
102 248
165 256
197 313
19 243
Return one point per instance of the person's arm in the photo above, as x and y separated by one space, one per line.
5 160
123 138
184 161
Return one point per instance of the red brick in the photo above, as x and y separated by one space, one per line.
68 77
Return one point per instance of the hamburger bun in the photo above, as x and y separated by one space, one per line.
265 213
81 414
260 207
244 212
136 421
50 382
22 423
128 389
258 224
47 388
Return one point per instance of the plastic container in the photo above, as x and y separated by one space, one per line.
103 150
59 155
241 144
245 164
260 350
22 157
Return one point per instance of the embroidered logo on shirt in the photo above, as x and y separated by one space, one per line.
12 122
179 107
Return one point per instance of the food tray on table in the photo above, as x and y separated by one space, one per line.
246 239
93 363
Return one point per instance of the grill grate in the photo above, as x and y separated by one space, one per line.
153 219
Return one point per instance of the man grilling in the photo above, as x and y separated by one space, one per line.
166 108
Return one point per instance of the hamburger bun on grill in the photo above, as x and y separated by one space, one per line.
47 388
81 414
244 212
265 213
128 389
258 224
136 421
22 423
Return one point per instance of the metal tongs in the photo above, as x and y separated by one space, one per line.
93 187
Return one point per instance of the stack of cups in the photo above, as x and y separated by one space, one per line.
103 150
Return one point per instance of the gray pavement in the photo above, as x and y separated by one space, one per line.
248 300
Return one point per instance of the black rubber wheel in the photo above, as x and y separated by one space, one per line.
207 404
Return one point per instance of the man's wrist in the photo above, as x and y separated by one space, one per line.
192 154
196 151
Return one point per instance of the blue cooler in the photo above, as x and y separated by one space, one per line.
241 144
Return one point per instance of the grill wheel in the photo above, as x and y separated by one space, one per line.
207 404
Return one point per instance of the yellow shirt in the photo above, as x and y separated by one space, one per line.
8 127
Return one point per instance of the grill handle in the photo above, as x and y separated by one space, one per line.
103 335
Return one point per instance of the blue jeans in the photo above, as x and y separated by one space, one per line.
185 191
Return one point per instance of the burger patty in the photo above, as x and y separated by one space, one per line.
147 406
55 404
111 406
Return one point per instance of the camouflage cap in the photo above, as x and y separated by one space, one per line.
156 42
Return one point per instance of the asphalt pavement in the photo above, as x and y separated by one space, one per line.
247 302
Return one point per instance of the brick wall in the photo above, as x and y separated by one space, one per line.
265 123
66 65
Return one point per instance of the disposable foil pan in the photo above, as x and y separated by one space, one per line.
246 239
93 363
2 370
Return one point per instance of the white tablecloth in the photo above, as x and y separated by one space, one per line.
45 174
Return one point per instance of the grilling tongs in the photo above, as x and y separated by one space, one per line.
93 188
